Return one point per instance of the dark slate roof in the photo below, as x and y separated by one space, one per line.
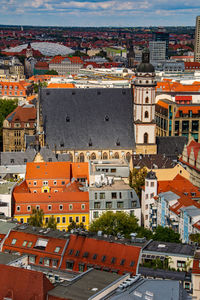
18 158
171 146
145 68
165 274
152 161
173 248
75 118
49 155
151 175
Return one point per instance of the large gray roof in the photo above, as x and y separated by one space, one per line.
75 118
17 158
171 146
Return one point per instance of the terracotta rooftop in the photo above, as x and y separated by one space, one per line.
48 170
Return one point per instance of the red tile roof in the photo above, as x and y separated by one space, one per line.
101 248
19 284
22 114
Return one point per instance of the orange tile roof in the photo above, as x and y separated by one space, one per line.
183 188
163 104
167 86
185 110
61 85
47 170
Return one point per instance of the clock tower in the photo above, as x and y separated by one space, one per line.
144 107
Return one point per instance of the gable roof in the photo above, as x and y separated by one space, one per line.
171 146
47 170
23 113
80 118
23 283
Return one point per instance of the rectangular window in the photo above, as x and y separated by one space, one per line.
57 249
95 196
77 219
114 195
70 206
113 170
70 219
77 253
55 182
63 219
120 195
49 207
31 259
61 207
41 260
63 182
28 208
120 204
46 220
81 267
180 264
82 206
146 196
46 262
54 263
18 208
69 265
58 220
29 244
133 204
152 184
108 205
45 182
41 244
122 262
83 219
102 195
24 243
35 183
13 242
95 214
97 205
103 258
152 195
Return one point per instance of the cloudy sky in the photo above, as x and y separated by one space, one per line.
100 12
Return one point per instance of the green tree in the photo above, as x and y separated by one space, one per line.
113 223
144 232
137 180
6 107
52 223
51 72
40 84
74 225
165 234
36 217
195 237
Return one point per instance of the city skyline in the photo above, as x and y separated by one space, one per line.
99 13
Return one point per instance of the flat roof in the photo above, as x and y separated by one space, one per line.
85 286
117 185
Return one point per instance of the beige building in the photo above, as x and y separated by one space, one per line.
197 40
17 125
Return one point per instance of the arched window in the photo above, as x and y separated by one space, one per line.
70 157
147 100
116 156
146 114
128 156
105 155
93 156
82 157
146 138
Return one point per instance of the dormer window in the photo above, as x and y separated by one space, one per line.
67 119
90 143
118 142
106 118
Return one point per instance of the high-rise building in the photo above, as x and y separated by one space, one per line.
157 51
197 40
162 36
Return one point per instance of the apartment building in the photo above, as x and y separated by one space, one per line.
175 205
173 119
197 40
55 188
66 65
15 90
17 125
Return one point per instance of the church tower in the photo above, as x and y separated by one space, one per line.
144 107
